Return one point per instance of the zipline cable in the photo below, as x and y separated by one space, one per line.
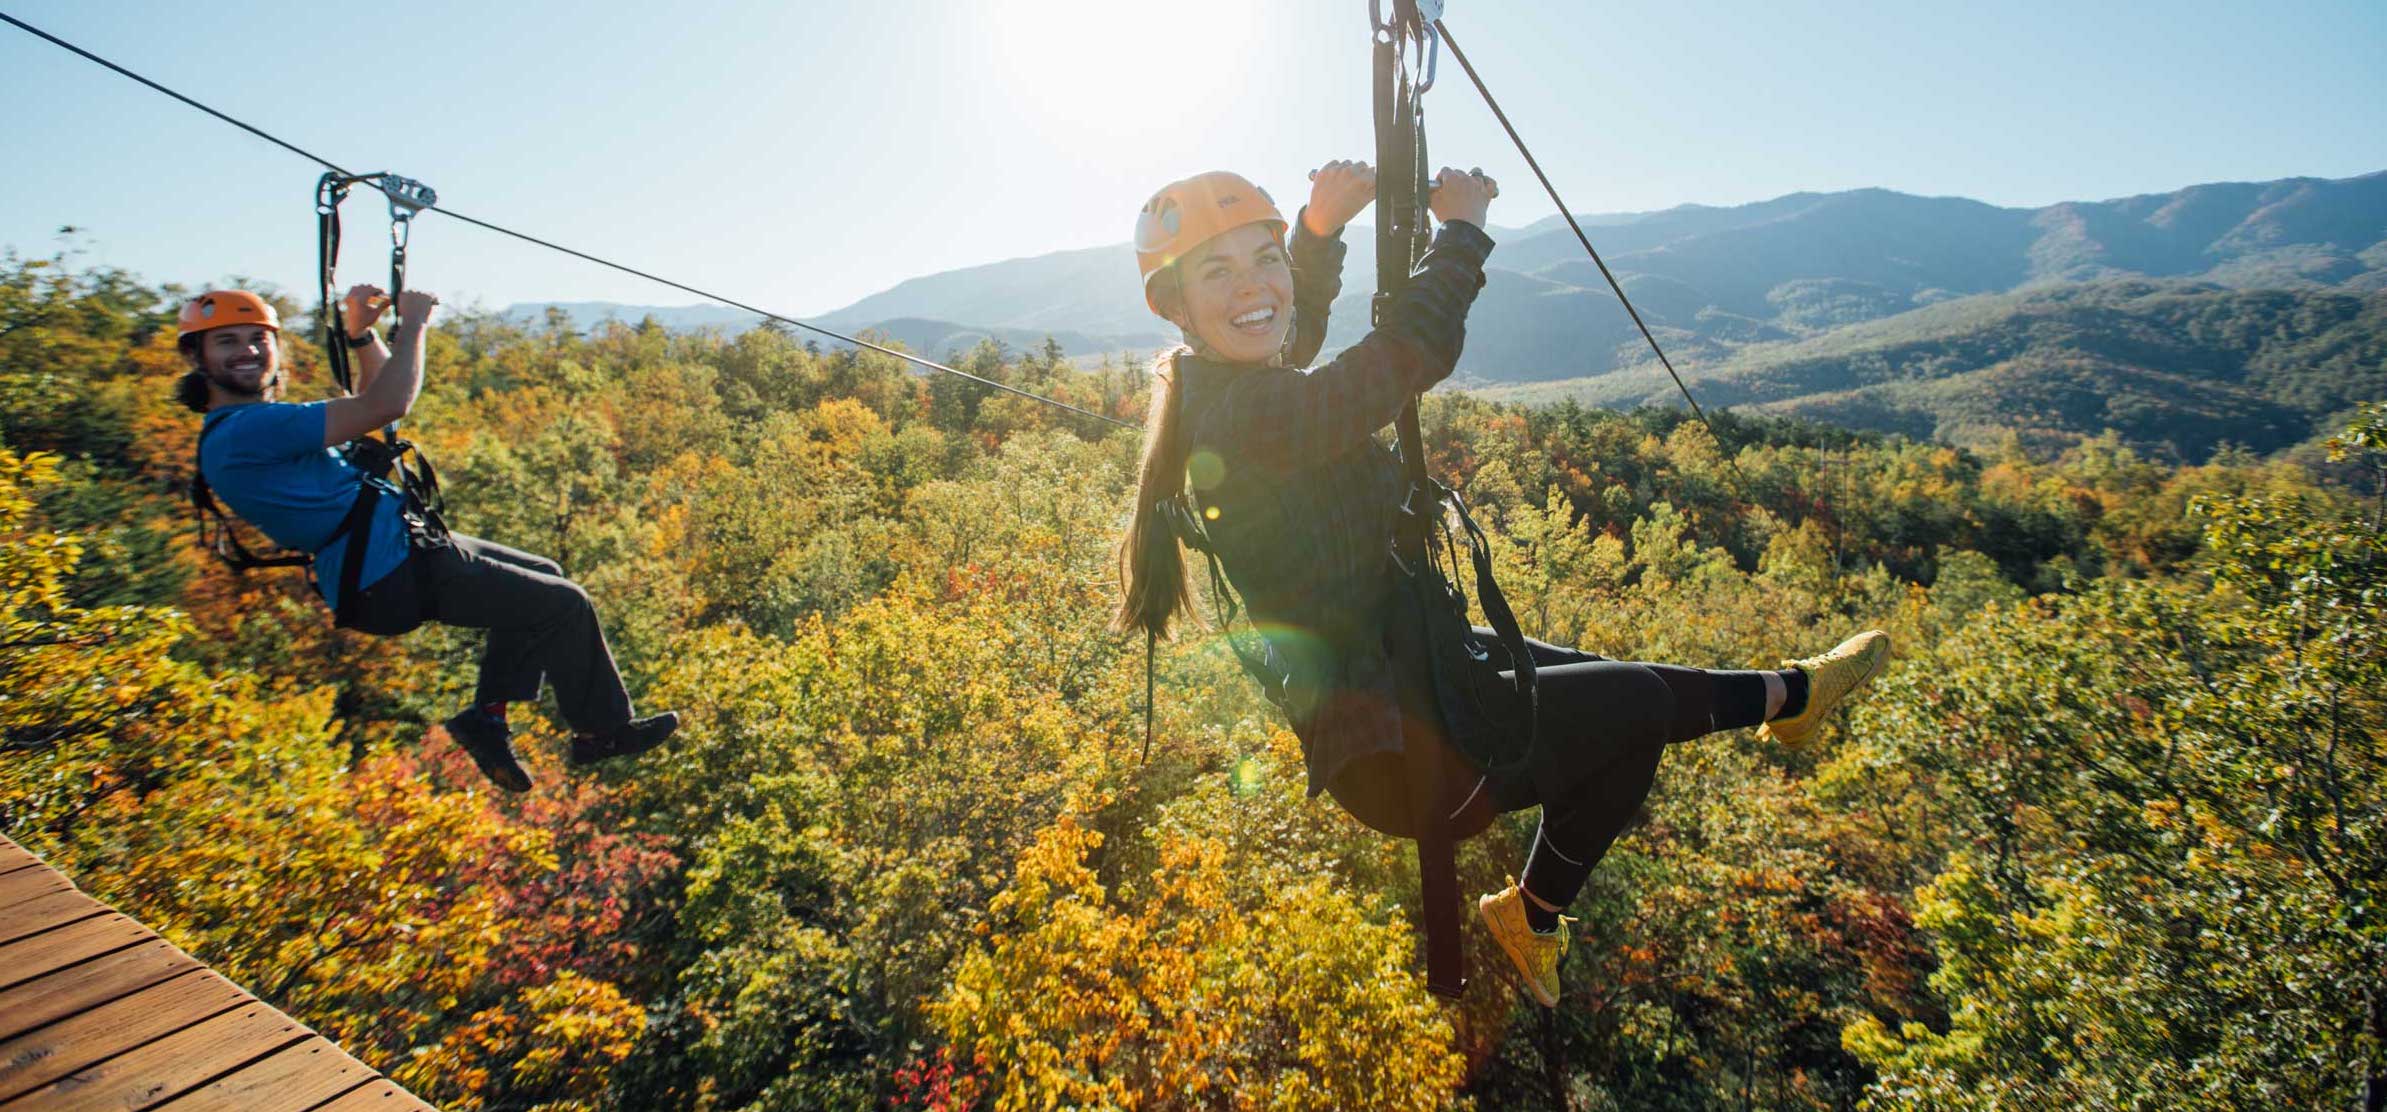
766 314
56 41
1569 214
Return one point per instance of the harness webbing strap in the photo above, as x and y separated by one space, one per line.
1400 201
215 525
217 536
358 528
385 455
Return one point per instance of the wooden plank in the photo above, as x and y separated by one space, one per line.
97 1011
32 1060
380 1096
155 1072
26 884
47 952
296 1078
42 913
80 988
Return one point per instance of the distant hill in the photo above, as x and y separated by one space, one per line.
2183 365
932 338
678 318
1089 291
2177 317
1713 279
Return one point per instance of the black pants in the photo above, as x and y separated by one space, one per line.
541 625
1604 726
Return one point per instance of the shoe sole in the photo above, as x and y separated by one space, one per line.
1773 730
498 775
1483 911
579 761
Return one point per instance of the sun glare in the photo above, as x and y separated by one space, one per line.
1112 68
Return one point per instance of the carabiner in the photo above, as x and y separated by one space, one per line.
330 190
1433 56
1426 11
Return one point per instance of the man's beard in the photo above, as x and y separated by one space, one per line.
224 382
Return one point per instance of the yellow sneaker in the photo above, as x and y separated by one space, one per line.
1535 954
1831 678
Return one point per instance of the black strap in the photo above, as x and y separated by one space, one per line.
1438 896
358 528
330 190
420 483
1400 238
216 533
1257 663
1151 642
1497 611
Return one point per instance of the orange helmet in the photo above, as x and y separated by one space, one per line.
1184 213
217 308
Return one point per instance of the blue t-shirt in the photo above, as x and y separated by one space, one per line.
266 460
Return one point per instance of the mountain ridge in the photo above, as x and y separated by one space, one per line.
1783 303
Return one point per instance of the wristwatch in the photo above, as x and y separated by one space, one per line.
367 340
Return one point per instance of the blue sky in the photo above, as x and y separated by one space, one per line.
803 155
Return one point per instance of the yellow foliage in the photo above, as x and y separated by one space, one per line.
1192 991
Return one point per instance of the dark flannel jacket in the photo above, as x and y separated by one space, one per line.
1298 495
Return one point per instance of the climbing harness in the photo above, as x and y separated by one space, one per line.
217 535
383 458
216 531
1259 663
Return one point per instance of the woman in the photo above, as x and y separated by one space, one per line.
1298 499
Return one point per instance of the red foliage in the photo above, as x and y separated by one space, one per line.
578 916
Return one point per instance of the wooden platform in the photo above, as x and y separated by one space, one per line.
97 1011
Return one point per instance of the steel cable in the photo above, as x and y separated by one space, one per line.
766 314
1569 215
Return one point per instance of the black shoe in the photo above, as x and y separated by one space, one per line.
640 735
490 742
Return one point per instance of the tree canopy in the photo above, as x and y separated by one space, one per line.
2109 832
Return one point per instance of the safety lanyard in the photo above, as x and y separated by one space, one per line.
387 454
406 197
1403 62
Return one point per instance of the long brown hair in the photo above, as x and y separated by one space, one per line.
1152 586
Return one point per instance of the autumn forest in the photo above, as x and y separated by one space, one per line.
2110 833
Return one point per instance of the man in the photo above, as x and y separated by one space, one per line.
278 465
